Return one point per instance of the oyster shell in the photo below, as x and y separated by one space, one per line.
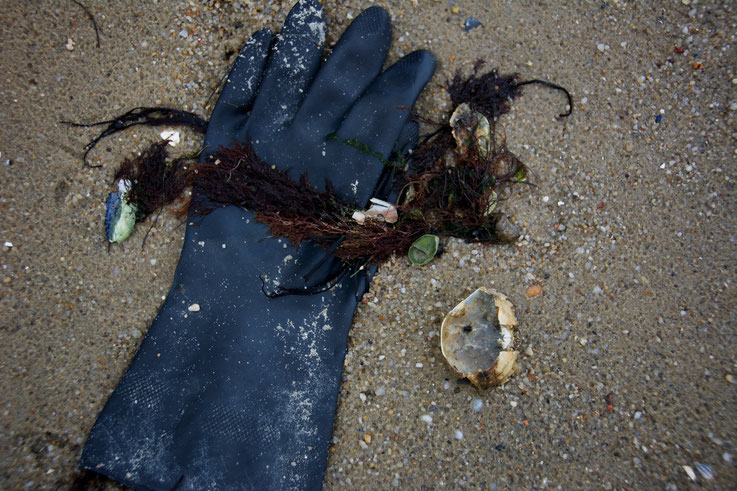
477 338
470 128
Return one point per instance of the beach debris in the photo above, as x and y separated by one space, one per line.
379 209
423 250
533 291
195 307
453 185
506 230
689 472
705 471
172 136
470 130
471 23
120 214
478 338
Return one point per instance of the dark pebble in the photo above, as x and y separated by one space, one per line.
471 23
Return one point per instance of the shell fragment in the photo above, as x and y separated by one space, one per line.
120 214
478 338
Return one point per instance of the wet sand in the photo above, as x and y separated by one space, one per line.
630 232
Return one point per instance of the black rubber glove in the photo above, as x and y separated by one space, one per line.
240 390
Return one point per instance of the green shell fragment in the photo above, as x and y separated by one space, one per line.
423 250
120 215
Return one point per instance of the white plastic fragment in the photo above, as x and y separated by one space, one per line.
7 244
426 418
690 472
172 136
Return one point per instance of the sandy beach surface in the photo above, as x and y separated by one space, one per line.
630 233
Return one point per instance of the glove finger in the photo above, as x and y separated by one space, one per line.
354 63
407 138
292 65
231 110
379 115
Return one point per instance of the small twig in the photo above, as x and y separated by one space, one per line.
92 18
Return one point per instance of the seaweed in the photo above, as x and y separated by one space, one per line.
449 186
145 116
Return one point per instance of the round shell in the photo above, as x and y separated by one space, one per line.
423 250
477 338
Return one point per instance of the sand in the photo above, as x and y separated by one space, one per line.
630 232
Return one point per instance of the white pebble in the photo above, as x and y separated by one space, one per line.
195 307
362 396
513 403
426 418
458 435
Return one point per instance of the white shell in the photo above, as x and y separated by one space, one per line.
477 338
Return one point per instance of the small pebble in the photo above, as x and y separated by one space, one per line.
195 307
513 403
477 404
426 418
689 471
533 291
70 44
471 23
458 435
